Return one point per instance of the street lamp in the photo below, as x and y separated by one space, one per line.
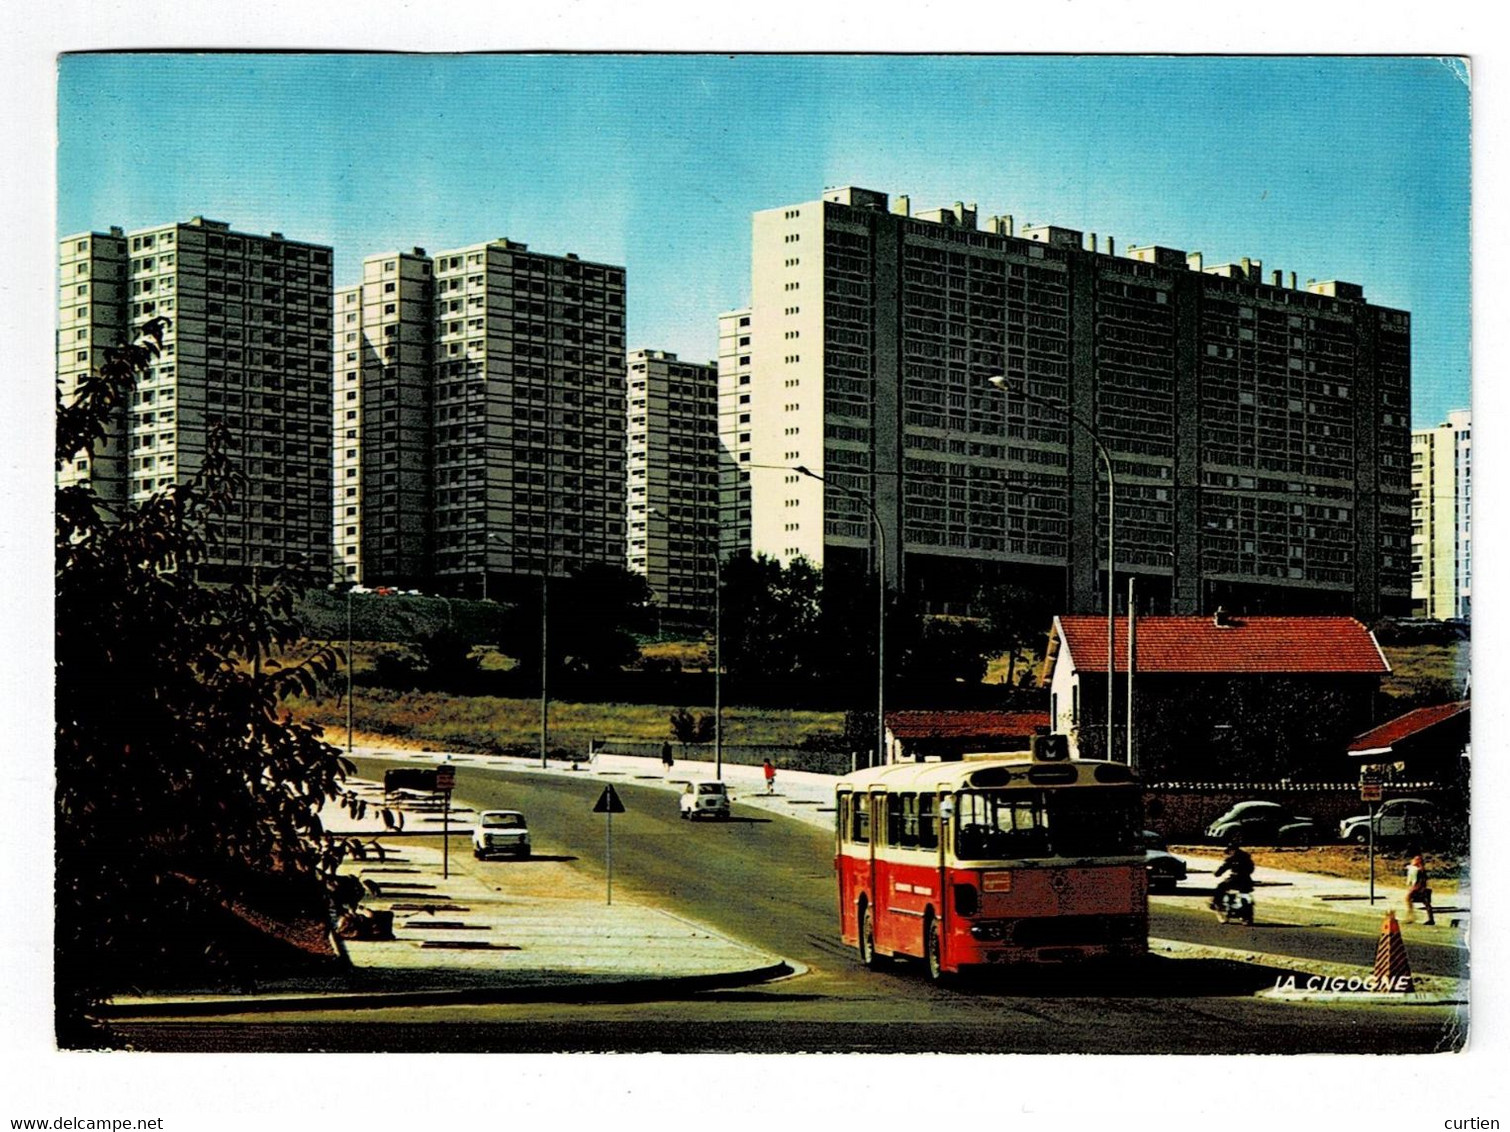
349 650
1000 382
881 609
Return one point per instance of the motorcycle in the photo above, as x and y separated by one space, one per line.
1235 907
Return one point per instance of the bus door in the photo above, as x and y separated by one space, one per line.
877 826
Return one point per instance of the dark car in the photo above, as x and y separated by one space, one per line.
1165 870
1262 823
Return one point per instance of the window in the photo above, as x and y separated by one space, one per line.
856 811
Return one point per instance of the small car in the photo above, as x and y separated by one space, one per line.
1165 870
500 831
705 800
1399 819
1262 823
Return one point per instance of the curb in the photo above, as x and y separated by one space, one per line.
589 990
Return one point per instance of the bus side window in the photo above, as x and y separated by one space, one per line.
860 818
878 823
928 822
841 815
902 820
908 834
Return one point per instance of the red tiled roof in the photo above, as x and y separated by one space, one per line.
1337 645
1386 735
965 724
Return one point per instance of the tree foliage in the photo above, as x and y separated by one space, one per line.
689 729
772 619
594 614
184 793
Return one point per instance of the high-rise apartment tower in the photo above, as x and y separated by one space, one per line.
487 445
1441 543
247 346
736 424
673 479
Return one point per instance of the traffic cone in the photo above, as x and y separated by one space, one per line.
1391 968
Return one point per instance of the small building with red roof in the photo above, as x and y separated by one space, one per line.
913 736
1272 696
1428 744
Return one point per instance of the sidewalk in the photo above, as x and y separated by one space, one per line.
1316 900
494 931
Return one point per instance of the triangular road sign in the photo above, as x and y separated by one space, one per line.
609 802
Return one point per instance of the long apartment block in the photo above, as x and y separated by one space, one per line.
673 492
480 406
247 346
1258 430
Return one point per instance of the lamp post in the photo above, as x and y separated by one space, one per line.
349 649
718 666
1000 382
881 605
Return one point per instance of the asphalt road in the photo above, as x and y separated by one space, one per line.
768 881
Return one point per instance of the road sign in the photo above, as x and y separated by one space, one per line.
445 777
1370 791
609 802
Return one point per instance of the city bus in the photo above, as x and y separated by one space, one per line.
992 859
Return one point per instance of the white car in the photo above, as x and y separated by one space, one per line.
500 831
1399 819
705 800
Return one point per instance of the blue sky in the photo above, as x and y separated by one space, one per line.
1351 168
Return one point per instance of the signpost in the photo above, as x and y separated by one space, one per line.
445 782
609 803
1371 790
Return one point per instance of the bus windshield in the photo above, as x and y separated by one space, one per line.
1087 822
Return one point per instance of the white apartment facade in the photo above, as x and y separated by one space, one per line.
735 431
247 347
673 479
1441 518
382 416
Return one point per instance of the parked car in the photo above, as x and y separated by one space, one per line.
1165 870
1262 823
705 800
1399 819
500 831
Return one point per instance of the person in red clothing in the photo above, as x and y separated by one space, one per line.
770 777
1418 890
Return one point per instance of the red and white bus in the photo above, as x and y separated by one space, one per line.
990 860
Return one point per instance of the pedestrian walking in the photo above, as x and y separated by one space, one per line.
666 759
1418 890
770 777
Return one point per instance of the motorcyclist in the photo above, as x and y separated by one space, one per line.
1239 866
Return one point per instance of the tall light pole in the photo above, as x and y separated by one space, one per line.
349 650
1000 382
718 665
545 587
881 605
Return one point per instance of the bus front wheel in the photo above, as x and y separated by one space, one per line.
868 954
